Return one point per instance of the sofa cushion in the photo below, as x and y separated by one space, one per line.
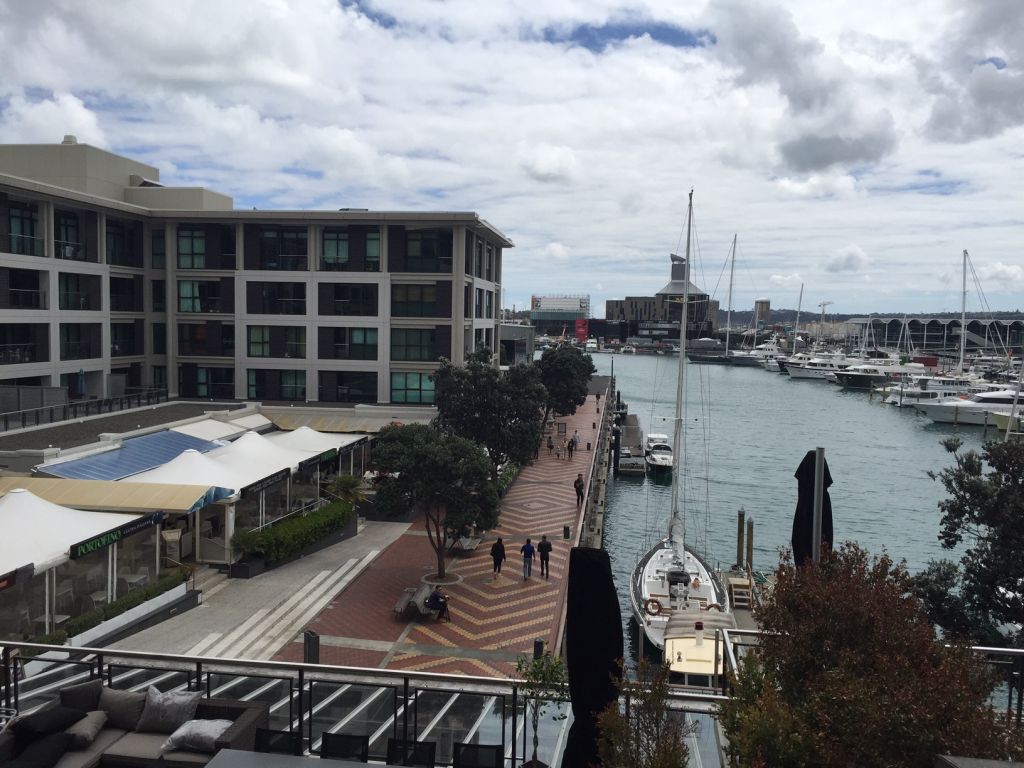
197 736
134 748
91 755
44 752
123 708
83 733
31 728
166 712
179 758
84 696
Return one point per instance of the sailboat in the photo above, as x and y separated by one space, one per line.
675 595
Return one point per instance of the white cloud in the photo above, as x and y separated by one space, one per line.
849 259
805 127
1000 273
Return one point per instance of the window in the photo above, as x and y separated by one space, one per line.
412 388
413 300
259 341
188 296
293 385
489 304
413 344
295 342
277 298
191 249
122 340
66 236
428 251
354 299
373 254
210 382
335 251
355 344
159 288
160 377
24 220
354 387
160 339
159 243
282 248
77 291
479 271
489 263
478 306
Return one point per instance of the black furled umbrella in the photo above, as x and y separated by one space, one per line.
803 520
593 648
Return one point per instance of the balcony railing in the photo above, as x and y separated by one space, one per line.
224 261
77 350
78 300
209 304
65 249
220 391
13 354
26 298
281 307
283 263
52 414
124 349
346 266
124 302
25 245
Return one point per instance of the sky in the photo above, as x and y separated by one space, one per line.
856 148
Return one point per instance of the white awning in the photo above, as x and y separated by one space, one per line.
38 532
310 441
253 421
210 429
195 468
254 454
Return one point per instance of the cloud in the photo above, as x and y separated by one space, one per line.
826 185
1003 273
555 251
548 164
26 121
789 281
849 259
816 152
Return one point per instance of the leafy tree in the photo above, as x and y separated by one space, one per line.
501 411
446 478
848 672
347 488
650 735
985 510
565 372
544 681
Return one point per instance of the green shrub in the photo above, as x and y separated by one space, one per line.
507 477
292 535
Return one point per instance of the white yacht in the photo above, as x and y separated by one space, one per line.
659 458
591 345
977 409
821 367
932 389
868 375
629 349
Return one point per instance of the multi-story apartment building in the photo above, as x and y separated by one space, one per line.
109 279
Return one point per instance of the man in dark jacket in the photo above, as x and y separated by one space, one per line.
498 556
544 550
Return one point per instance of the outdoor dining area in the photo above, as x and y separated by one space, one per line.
57 563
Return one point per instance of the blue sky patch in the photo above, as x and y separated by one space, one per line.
933 186
597 38
995 61
306 173
34 95
366 9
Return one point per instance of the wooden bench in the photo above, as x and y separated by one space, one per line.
414 599
467 544
403 601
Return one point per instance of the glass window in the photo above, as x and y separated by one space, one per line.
159 288
188 296
293 385
159 243
412 388
335 250
278 299
373 253
259 341
488 304
295 342
355 344
355 299
355 387
428 251
191 248
24 220
489 263
159 338
160 376
282 248
66 234
479 271
413 344
413 300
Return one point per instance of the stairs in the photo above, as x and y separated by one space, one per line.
209 580
740 593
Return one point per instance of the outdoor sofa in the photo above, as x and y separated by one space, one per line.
133 732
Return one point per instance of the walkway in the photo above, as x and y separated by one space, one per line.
493 621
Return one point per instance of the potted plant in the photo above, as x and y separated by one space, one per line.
544 682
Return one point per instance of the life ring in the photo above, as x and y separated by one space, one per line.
652 606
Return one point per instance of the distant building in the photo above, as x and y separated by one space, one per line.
762 308
553 314
657 317
516 342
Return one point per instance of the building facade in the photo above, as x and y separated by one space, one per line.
558 314
652 317
109 280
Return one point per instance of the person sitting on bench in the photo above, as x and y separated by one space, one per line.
438 601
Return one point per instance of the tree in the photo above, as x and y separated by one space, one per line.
544 682
985 510
565 372
649 735
446 478
500 411
848 672
347 488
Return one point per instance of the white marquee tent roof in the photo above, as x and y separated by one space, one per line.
193 467
253 453
311 442
40 532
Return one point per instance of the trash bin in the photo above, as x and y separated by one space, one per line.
565 532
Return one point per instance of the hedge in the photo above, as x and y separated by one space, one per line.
293 534
507 477
86 621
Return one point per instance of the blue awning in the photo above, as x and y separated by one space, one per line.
136 454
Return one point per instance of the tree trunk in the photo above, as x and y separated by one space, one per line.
437 535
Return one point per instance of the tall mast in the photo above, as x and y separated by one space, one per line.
963 316
799 304
728 312
677 528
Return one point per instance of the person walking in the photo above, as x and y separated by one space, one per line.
544 550
551 445
565 447
578 484
498 556
558 451
570 448
529 554
576 438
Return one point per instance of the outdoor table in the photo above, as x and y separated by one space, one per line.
135 578
99 597
236 758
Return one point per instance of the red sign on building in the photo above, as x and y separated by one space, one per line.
581 330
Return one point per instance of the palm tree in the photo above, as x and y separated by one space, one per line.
347 488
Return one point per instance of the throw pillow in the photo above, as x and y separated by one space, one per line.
42 753
84 696
31 728
164 712
123 708
84 732
197 736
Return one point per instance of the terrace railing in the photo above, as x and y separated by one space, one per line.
50 414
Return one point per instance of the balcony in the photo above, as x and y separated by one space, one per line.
25 245
283 263
281 307
69 251
126 348
76 300
208 304
124 302
14 354
221 390
222 261
77 350
25 298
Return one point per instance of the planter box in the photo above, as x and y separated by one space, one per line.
246 569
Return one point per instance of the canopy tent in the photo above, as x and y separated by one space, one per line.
210 429
311 442
346 420
195 467
254 421
109 496
39 532
255 454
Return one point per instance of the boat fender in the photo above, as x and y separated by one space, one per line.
653 606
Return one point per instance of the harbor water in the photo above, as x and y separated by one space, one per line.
746 431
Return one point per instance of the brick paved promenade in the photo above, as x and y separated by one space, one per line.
493 621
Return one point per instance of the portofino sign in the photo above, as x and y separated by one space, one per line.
87 547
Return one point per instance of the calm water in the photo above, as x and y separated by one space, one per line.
747 430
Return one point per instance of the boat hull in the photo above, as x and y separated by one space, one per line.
860 380
952 413
708 358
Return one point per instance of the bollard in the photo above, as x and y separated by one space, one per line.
310 647
588 446
566 533
538 648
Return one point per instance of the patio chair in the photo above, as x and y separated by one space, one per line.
477 756
420 753
345 746
278 742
